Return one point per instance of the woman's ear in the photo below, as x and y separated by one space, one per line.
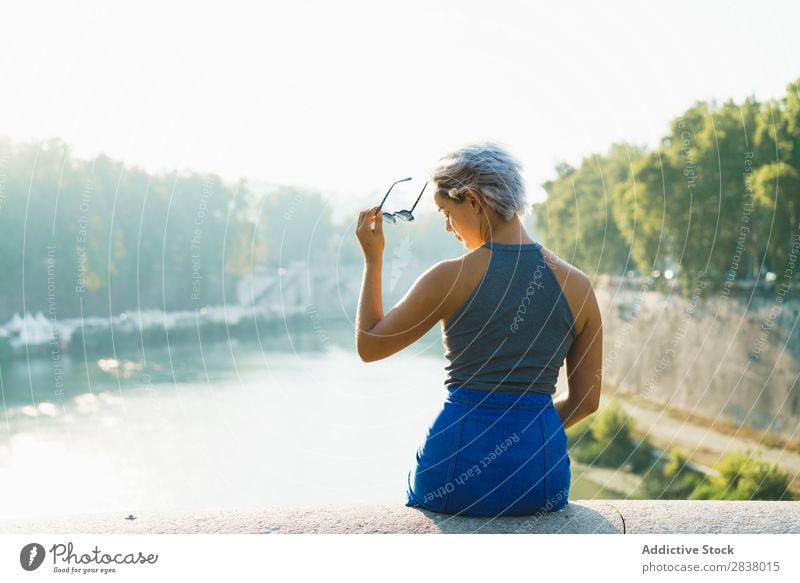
474 200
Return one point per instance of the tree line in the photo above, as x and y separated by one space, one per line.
87 236
718 199
96 237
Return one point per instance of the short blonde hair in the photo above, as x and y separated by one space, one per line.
487 168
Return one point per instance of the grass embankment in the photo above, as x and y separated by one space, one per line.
609 439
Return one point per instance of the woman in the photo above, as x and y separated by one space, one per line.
511 312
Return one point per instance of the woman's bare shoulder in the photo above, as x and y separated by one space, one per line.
464 266
456 278
575 284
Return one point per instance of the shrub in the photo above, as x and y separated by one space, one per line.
671 480
642 456
604 438
745 477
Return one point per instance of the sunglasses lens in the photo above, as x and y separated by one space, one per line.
405 215
388 217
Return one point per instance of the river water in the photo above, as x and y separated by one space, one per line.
223 425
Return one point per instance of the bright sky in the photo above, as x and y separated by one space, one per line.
346 97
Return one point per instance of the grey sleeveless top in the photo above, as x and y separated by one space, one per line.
513 332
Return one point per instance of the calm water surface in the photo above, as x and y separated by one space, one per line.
232 425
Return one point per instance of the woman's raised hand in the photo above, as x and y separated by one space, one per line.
371 240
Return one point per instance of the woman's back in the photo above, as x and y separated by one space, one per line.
512 313
510 322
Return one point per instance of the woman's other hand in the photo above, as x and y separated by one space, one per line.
371 241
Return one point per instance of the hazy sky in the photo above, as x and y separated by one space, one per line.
346 97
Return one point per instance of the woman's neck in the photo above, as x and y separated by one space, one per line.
511 231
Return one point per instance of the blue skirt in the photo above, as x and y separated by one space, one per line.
492 454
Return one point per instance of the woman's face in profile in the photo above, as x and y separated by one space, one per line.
462 219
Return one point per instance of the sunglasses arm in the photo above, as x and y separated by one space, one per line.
419 197
380 206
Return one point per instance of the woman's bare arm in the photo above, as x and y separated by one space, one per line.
417 312
584 365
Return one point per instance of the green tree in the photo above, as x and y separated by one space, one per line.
776 193
577 219
745 477
673 480
604 438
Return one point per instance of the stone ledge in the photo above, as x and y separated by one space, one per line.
578 517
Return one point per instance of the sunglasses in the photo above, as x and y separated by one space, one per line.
400 215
